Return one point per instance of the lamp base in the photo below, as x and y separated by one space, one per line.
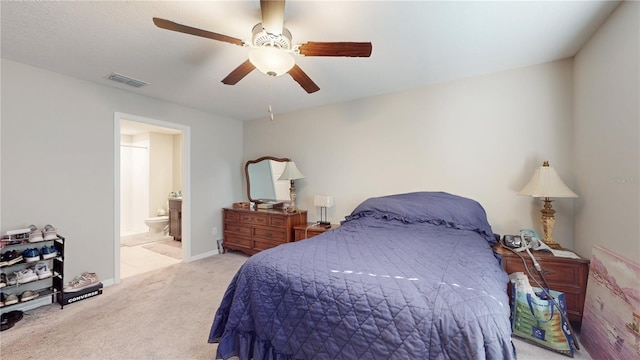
292 194
554 245
548 222
323 223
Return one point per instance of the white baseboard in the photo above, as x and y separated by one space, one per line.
203 255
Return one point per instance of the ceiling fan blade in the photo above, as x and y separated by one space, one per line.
170 25
240 72
352 49
272 16
303 79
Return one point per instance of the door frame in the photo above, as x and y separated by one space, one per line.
186 184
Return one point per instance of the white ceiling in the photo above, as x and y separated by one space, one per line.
415 43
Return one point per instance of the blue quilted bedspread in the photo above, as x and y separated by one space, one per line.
408 276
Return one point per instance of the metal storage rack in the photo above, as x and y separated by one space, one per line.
46 288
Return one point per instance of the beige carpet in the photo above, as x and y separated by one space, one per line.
163 314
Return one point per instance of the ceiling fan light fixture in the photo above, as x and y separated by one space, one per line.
271 60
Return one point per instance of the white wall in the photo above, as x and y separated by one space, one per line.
607 136
480 137
58 166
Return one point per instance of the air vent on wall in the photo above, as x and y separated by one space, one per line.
126 80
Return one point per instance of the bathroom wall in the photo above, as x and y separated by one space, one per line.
134 183
161 172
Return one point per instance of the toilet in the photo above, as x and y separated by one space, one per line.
157 226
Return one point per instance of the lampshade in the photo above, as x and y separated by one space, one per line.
291 172
271 60
323 201
546 183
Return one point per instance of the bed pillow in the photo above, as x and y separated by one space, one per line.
438 208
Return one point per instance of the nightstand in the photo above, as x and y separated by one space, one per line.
563 274
302 232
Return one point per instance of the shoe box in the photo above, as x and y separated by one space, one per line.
66 298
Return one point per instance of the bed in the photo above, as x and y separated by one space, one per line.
406 276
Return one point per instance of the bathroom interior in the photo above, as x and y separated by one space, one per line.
150 190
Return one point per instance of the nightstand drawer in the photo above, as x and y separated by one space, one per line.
574 301
560 273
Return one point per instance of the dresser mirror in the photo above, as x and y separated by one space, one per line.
262 179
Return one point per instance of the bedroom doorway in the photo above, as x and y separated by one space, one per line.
151 177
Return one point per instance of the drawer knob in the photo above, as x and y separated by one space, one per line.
548 272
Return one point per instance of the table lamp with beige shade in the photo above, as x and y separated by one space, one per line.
546 183
291 173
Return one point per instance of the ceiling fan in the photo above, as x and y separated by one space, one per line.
271 50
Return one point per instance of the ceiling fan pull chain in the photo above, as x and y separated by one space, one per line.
270 98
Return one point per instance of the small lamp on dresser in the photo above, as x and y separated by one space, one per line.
323 202
546 183
291 173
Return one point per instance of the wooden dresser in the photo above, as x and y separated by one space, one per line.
563 274
254 230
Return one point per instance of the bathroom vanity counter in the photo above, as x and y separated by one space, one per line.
175 218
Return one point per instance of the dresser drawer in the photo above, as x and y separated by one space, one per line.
236 240
255 219
270 234
230 216
238 229
260 244
279 221
253 230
